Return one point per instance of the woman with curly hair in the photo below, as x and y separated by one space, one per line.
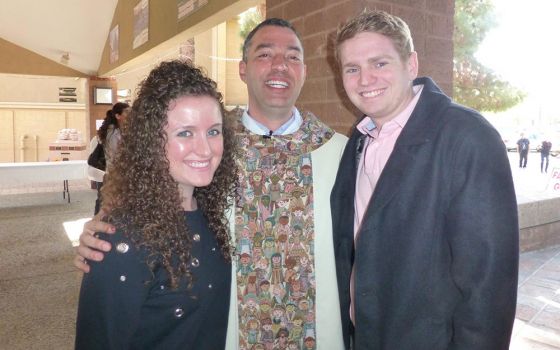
166 282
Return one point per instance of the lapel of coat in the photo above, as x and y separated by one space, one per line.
350 161
421 128
342 195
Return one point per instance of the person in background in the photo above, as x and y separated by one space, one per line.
279 220
523 149
95 175
546 146
165 284
424 209
109 134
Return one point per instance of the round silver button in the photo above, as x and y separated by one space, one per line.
210 286
196 237
122 247
195 262
179 312
122 278
214 249
162 287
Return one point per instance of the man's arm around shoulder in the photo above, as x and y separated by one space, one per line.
91 247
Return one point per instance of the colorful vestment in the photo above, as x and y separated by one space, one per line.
284 238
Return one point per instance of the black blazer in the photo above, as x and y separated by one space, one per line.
436 258
126 305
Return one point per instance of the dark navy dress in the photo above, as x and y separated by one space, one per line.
123 305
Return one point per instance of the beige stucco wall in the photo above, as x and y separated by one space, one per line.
7 136
31 114
28 130
38 88
235 87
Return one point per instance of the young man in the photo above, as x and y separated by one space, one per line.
424 209
523 149
546 146
284 218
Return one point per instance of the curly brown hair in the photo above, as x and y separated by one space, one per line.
143 197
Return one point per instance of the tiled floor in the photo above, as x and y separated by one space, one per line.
537 323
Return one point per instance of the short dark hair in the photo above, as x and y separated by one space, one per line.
278 22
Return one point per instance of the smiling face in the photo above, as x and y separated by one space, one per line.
194 141
274 73
375 77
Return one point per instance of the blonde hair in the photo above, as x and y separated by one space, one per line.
379 22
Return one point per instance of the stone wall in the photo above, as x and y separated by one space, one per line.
539 224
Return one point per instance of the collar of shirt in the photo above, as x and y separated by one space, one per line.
289 127
368 127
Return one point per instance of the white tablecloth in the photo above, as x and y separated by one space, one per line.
37 172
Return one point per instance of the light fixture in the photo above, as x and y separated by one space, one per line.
65 58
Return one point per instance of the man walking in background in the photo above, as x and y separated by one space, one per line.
546 146
523 149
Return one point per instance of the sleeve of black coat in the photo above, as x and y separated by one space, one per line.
483 231
111 298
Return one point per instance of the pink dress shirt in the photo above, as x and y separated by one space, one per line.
378 146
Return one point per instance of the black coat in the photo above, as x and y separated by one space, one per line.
123 305
436 258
